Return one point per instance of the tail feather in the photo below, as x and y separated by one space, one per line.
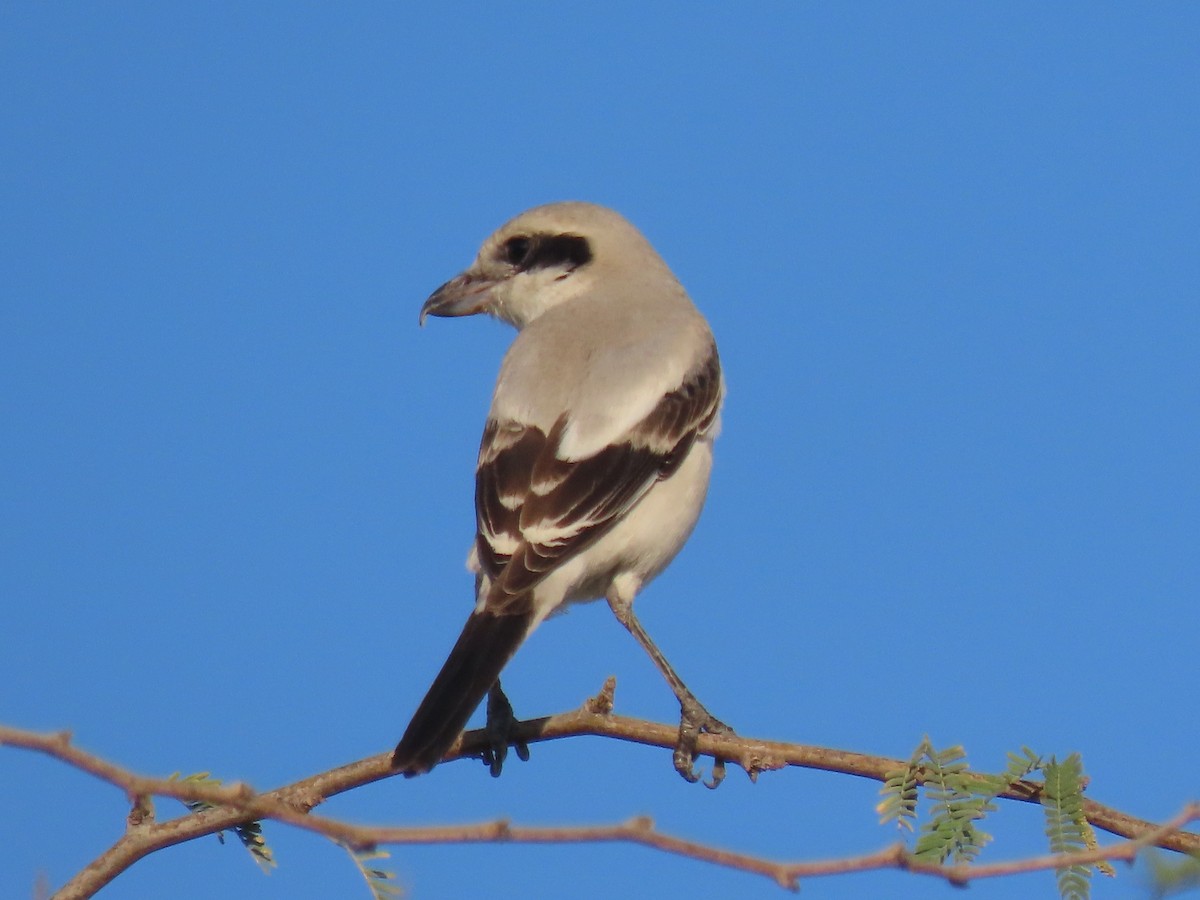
488 641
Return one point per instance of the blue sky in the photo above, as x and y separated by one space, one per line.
950 254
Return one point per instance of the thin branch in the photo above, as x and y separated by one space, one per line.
641 830
237 804
1126 850
755 756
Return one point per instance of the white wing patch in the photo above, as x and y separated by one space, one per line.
538 503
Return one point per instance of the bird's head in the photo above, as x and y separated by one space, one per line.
539 260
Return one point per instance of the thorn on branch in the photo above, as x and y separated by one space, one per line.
141 813
640 824
602 703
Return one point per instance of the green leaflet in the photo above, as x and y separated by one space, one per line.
250 835
950 832
1171 875
958 799
381 882
1062 800
899 803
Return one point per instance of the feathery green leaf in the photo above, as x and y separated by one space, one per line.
951 833
899 803
250 834
1062 801
381 882
1171 875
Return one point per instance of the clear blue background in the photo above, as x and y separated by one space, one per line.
951 253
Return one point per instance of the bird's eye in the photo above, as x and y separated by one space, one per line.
530 252
516 249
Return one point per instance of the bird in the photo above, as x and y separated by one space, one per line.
595 456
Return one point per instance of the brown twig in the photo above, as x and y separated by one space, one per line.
237 804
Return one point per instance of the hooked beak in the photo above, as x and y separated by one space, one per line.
463 295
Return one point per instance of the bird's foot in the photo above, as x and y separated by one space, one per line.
499 728
695 720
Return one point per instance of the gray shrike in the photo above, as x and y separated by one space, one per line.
595 457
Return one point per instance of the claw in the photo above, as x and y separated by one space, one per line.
694 720
686 751
499 728
718 774
493 758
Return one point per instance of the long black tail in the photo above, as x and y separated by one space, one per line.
488 641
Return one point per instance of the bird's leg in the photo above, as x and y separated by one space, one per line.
694 718
500 721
